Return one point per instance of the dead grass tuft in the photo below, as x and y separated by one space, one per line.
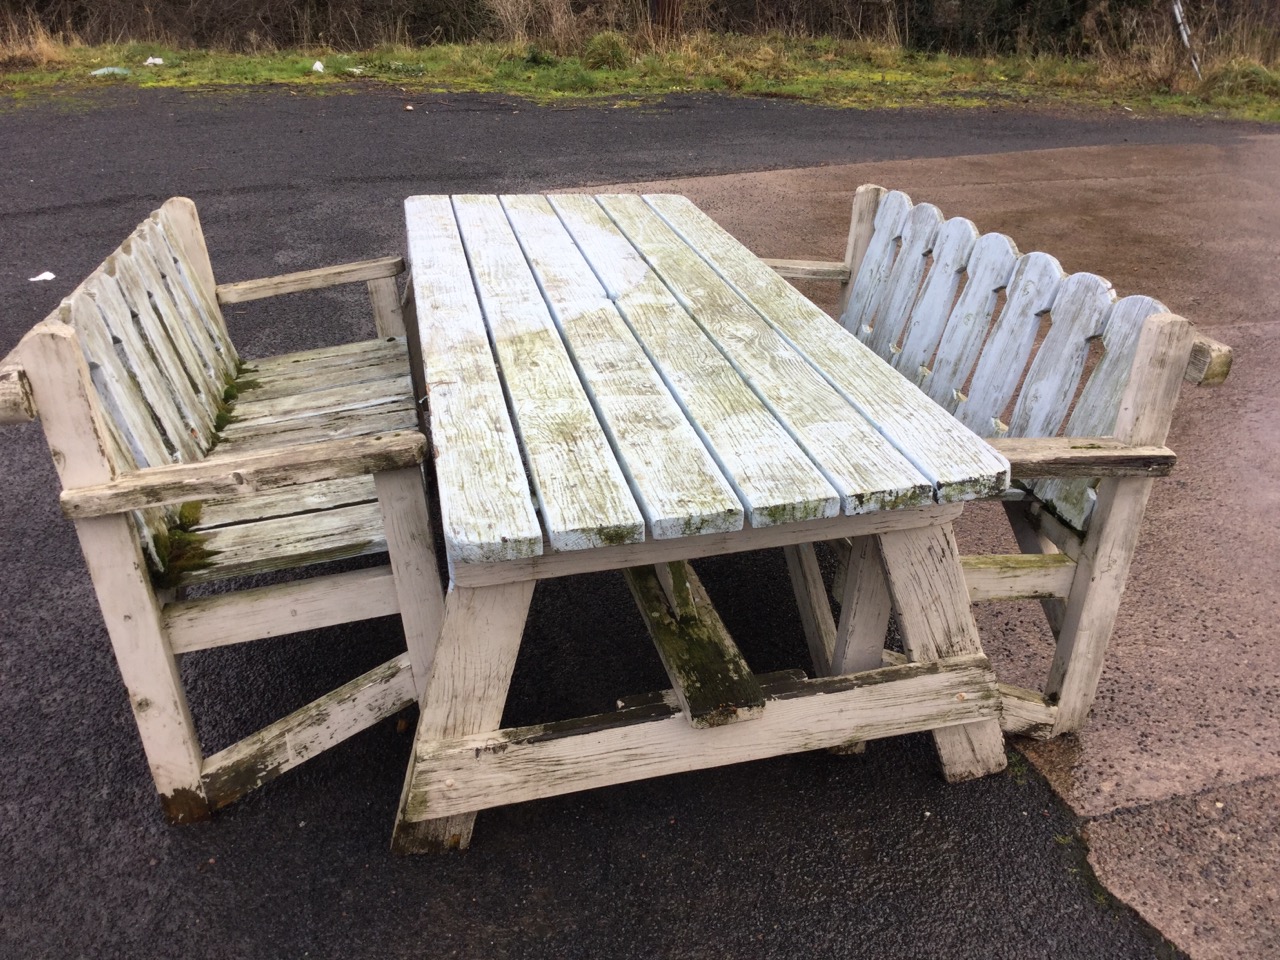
25 44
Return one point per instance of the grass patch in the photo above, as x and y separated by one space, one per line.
817 70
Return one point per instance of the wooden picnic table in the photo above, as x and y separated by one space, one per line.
615 383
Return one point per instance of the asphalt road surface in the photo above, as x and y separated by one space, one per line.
805 856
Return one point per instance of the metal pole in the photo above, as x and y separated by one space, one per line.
1181 21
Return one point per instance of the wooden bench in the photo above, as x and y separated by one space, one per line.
962 315
183 465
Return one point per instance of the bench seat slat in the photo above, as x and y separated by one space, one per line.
282 543
308 498
269 386
395 415
296 407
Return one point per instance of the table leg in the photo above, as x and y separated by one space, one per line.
926 582
464 695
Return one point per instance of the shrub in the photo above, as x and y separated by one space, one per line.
608 50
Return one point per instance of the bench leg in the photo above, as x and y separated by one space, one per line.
147 665
466 691
1090 615
926 583
406 518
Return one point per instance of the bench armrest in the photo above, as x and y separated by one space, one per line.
1210 361
310 279
249 473
16 403
809 269
1034 457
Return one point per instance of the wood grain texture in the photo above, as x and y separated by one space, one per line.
989 272
1004 356
407 528
864 609
808 269
921 332
955 462
16 403
676 482
486 506
583 497
869 471
903 283
1145 409
1098 408
509 766
285 543
705 545
815 606
931 602
1210 361
771 475
870 283
310 280
1026 713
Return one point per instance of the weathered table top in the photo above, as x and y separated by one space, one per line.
605 370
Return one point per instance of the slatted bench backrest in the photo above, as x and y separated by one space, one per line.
152 334
926 298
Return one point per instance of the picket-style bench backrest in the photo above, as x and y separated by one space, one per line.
148 323
961 314
1028 357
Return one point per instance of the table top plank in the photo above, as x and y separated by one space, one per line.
869 472
774 478
675 480
488 514
582 493
954 459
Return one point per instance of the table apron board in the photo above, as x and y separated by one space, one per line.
570 563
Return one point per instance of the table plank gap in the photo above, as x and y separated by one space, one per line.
958 465
676 482
486 509
774 479
869 472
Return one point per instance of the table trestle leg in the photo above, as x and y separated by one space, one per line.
711 680
927 587
465 694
